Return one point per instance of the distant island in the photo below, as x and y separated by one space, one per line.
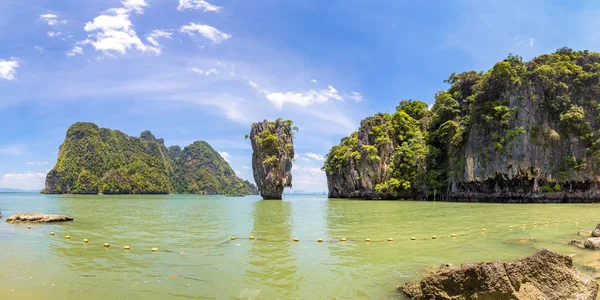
95 160
520 132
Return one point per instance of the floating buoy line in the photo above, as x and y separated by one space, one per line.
483 231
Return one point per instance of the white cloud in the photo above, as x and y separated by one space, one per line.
40 49
197 4
209 32
315 81
26 181
531 42
356 96
8 69
37 163
309 177
303 99
245 167
75 51
53 33
115 32
52 19
156 34
205 73
315 156
135 5
225 156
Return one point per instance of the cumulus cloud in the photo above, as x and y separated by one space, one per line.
156 34
135 5
8 70
53 33
315 81
303 99
315 156
52 19
225 156
26 181
216 36
37 163
114 31
40 49
309 177
356 96
205 73
76 50
197 4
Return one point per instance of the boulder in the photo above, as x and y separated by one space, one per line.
596 232
543 275
38 218
592 243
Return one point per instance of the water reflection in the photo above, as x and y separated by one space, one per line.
272 259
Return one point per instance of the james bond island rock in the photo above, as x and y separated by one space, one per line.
272 156
37 218
543 275
520 132
95 160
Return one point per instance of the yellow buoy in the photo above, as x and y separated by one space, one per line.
413 238
68 237
534 223
368 240
251 237
127 248
28 227
453 235
434 237
296 239
483 230
546 223
390 239
343 239
555 221
233 238
320 240
154 249
510 227
106 245
523 225
85 240
52 233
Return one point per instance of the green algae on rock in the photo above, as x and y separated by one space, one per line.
520 132
272 156
95 160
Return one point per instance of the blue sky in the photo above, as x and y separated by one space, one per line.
205 70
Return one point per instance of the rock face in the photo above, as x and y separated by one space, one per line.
37 218
520 132
272 156
543 275
384 159
596 231
95 160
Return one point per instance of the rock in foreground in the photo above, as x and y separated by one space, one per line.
38 218
272 156
543 275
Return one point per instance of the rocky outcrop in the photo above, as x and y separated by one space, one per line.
37 218
522 132
543 275
272 156
94 160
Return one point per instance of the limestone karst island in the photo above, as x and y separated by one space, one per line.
211 149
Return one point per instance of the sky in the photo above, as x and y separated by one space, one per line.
191 70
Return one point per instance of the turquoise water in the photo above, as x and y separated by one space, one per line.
197 259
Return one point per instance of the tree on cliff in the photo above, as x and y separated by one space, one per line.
272 156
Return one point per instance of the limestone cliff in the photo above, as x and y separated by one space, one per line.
95 160
520 132
272 156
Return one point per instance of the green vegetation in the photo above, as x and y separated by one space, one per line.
557 92
271 145
98 160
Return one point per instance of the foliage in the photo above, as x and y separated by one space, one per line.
99 160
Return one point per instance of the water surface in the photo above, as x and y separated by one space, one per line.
197 259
